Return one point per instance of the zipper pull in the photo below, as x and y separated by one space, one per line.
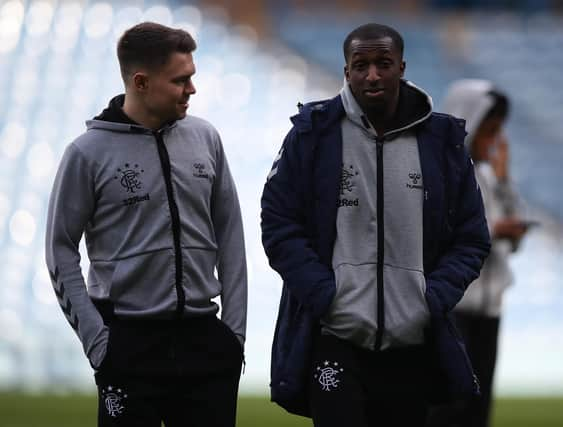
379 145
477 384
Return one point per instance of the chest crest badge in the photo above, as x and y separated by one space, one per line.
129 177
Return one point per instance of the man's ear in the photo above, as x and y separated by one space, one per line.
347 73
140 82
403 67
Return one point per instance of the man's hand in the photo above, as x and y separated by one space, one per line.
511 228
500 157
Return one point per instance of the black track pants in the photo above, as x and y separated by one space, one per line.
183 373
356 387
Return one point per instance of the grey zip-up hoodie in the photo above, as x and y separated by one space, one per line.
160 214
378 257
471 99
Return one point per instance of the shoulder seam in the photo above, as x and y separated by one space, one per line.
93 162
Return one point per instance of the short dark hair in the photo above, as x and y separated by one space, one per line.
500 107
150 45
373 31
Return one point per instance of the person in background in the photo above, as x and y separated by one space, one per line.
372 216
478 314
150 189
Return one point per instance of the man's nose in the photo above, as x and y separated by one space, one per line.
189 88
373 73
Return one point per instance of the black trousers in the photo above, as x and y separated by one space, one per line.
183 373
350 386
480 334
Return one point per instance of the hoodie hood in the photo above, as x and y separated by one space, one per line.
469 99
114 112
113 118
413 108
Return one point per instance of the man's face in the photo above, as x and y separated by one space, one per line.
486 137
374 70
169 88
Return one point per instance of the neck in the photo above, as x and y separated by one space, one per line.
380 119
136 111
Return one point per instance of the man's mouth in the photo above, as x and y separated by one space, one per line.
373 92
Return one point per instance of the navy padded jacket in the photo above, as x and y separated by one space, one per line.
299 208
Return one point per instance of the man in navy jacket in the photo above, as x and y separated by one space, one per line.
372 216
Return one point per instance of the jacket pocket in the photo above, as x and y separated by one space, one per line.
456 378
292 356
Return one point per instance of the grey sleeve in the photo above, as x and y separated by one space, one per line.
71 204
231 259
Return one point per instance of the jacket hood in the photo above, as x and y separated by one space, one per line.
113 118
413 108
469 99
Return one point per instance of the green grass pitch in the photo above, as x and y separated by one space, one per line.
24 410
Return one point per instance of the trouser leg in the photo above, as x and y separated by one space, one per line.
185 373
207 394
121 405
358 387
336 390
398 388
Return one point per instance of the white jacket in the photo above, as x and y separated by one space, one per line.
469 99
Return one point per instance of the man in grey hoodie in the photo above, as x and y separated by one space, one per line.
150 189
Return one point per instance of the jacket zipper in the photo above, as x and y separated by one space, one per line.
175 217
380 245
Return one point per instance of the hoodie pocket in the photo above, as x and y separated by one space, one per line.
144 283
353 312
100 276
406 310
200 282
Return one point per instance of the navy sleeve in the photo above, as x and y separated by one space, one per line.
286 238
461 262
